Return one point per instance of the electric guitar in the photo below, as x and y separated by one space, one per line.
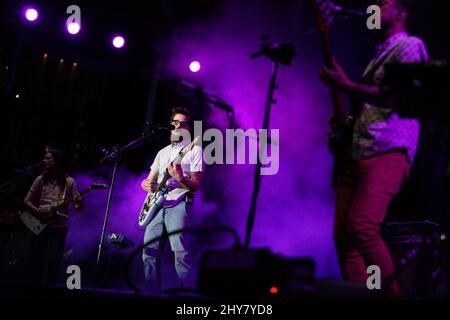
340 137
154 201
37 223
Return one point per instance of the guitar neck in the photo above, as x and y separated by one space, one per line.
67 201
167 176
338 106
337 99
176 161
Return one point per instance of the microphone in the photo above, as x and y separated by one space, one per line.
349 11
152 127
30 168
169 127
37 165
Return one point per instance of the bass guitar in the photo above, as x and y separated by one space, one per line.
154 200
340 137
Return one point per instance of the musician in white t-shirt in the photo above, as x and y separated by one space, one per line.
176 211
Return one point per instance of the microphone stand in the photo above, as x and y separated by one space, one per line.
115 156
16 182
277 53
283 53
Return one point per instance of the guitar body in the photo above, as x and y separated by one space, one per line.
340 139
340 145
152 204
37 223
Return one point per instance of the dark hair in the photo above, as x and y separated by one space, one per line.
180 110
404 4
409 7
401 4
58 173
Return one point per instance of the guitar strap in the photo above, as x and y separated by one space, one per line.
62 195
356 104
367 78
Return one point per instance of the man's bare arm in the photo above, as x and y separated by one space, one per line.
335 77
150 184
193 183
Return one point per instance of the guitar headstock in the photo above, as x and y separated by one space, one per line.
325 11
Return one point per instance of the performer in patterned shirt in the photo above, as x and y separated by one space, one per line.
383 149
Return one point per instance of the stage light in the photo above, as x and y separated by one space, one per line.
17 96
194 66
273 290
118 42
73 28
31 14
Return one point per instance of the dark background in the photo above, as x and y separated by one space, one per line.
108 98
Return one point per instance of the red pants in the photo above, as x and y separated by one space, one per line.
363 194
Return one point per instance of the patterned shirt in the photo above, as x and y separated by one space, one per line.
377 129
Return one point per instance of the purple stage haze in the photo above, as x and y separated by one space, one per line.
295 207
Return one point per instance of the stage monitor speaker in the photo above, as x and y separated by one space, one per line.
251 273
415 85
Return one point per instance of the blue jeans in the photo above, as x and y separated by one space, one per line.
182 244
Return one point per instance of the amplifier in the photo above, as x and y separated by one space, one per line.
414 242
408 232
252 272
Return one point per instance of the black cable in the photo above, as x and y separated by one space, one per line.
127 279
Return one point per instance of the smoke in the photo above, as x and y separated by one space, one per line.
295 207
85 227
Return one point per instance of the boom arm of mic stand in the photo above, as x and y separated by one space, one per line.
117 151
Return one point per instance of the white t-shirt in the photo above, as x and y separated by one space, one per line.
192 162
